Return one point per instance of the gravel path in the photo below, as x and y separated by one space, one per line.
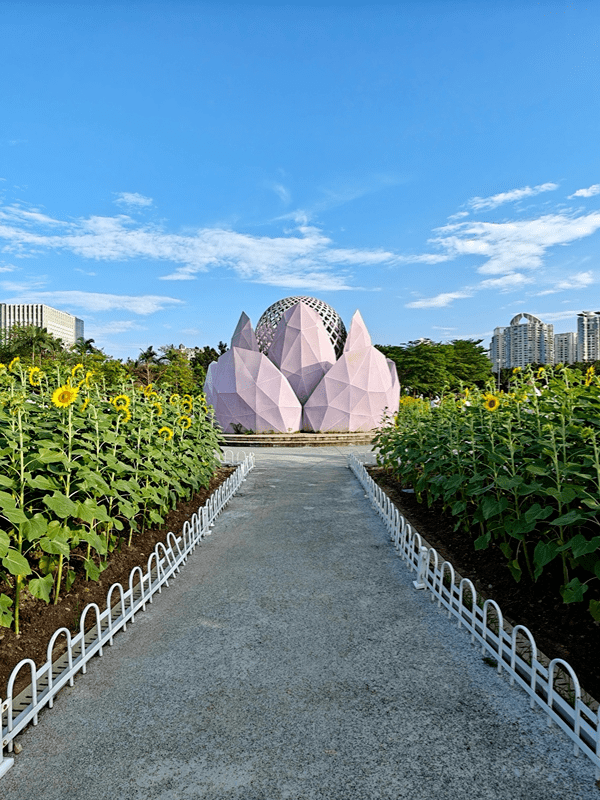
292 658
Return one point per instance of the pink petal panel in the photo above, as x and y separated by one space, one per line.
353 395
245 388
358 336
244 336
302 349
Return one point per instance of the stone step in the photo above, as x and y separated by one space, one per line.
297 439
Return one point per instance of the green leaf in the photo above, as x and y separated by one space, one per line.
15 563
91 570
6 616
8 482
594 609
458 507
95 541
4 543
41 587
537 512
515 570
43 483
573 591
482 542
47 564
506 550
570 518
61 505
56 546
35 527
69 579
15 515
543 554
535 470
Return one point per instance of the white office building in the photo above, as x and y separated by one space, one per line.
522 343
58 323
588 336
565 348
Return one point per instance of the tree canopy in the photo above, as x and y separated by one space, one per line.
429 368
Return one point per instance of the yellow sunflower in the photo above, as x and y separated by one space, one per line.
13 364
76 369
150 395
165 433
174 399
35 374
124 413
188 398
2 368
147 389
589 375
186 406
158 407
64 396
491 402
185 422
120 401
84 405
89 375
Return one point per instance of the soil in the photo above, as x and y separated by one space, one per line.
39 621
560 630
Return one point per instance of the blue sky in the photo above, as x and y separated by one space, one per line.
165 166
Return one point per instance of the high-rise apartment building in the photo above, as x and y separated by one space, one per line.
58 323
588 336
519 344
565 348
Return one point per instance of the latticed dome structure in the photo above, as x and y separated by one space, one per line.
265 330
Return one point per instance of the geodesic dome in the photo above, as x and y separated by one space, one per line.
265 330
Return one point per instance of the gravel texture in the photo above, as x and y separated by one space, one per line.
292 658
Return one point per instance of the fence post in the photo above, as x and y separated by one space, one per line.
422 568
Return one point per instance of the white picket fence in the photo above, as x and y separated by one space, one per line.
121 607
514 651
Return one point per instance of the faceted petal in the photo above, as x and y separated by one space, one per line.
302 349
243 336
246 389
358 336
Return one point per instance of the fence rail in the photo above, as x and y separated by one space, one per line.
163 563
515 651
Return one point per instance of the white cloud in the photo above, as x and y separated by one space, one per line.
440 300
96 301
114 327
133 200
506 283
281 192
517 244
589 192
484 203
556 316
459 215
303 258
577 281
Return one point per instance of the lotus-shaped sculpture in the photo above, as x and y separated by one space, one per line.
298 384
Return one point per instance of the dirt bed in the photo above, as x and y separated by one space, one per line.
561 631
39 621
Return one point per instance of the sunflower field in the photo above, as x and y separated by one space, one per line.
83 467
519 470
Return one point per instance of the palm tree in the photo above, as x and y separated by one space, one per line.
147 357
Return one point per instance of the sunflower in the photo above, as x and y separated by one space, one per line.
165 433
589 375
146 390
541 372
491 402
174 399
185 422
35 374
124 413
76 369
120 401
158 407
64 396
13 364
516 370
150 395
186 406
188 398
2 368
89 375
84 405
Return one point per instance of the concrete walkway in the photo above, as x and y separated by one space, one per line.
292 658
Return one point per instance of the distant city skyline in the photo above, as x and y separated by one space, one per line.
166 166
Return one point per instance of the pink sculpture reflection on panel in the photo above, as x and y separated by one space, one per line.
302 349
247 390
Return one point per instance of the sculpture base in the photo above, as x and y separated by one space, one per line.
297 439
